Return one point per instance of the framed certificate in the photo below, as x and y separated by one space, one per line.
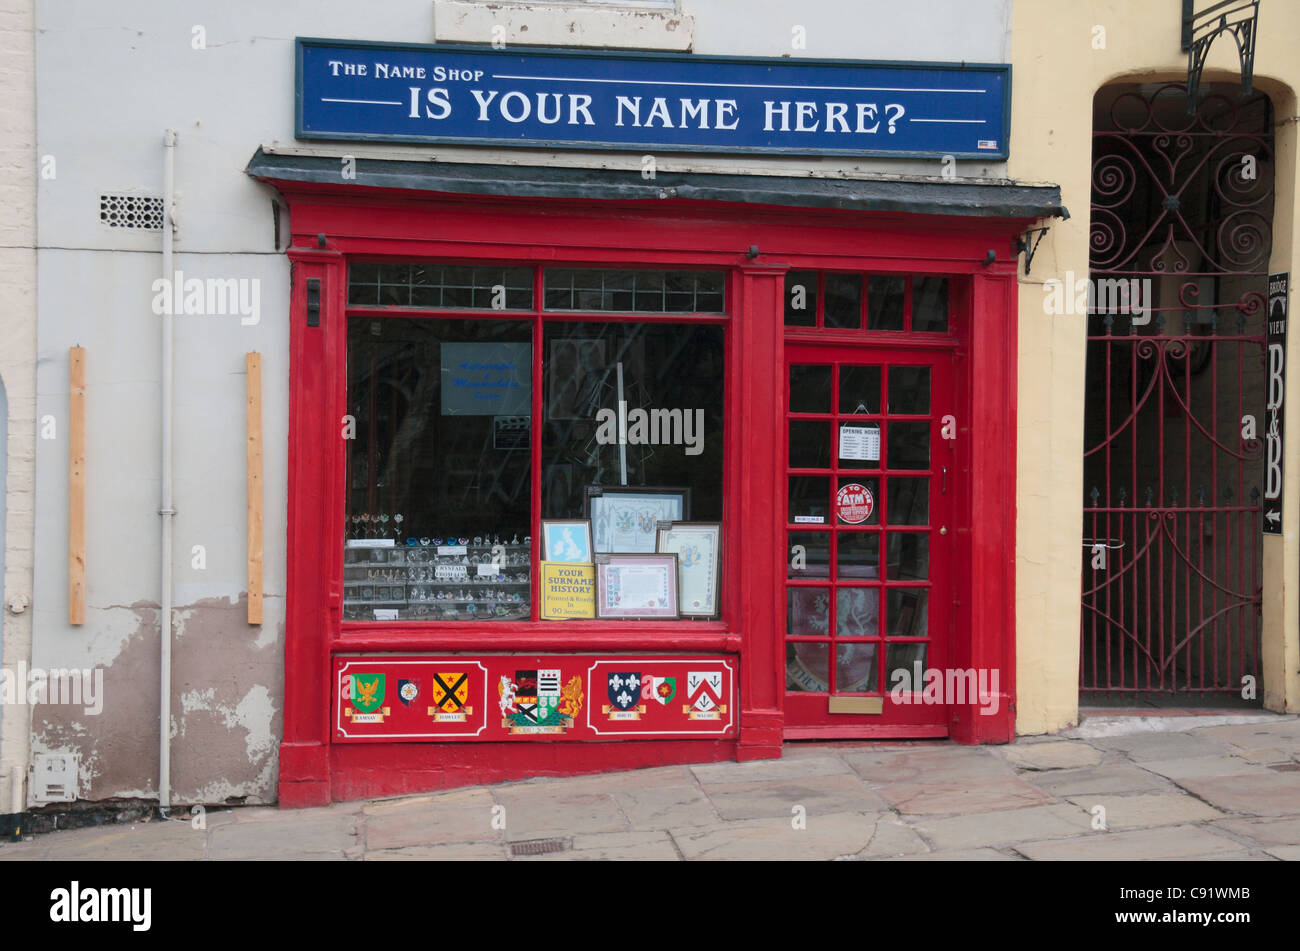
636 586
567 541
625 518
698 548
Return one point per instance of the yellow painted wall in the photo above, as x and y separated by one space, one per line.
1062 53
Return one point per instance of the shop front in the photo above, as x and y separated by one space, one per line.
591 470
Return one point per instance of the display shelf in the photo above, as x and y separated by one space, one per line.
405 575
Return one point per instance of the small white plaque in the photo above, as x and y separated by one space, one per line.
860 442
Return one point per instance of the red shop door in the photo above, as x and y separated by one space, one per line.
869 590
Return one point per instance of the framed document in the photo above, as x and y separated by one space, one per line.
567 541
698 549
625 518
636 586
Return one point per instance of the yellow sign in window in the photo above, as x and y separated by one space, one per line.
568 591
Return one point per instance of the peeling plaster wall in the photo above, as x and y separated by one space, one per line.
110 79
226 681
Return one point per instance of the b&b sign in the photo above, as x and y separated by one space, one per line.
672 102
1276 408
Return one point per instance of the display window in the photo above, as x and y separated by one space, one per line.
480 420
725 453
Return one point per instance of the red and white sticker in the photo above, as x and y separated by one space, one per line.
854 503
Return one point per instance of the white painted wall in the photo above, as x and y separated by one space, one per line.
17 358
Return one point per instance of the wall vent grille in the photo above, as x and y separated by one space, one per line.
53 777
136 212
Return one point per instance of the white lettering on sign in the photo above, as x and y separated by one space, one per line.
1275 409
810 117
549 106
658 114
539 98
1273 438
854 503
642 112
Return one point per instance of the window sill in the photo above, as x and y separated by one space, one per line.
556 636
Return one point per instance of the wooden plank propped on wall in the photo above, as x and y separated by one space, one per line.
253 366
77 485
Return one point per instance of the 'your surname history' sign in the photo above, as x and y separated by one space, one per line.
673 102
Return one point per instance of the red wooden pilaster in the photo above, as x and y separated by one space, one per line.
312 599
991 517
759 415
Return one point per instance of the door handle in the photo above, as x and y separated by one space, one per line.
944 489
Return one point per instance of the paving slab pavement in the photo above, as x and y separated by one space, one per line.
1186 788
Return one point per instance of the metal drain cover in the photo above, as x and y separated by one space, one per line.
539 846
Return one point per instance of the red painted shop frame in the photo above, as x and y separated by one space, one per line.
335 223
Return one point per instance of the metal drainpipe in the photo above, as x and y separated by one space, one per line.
165 509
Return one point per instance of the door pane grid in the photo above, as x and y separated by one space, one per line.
861 598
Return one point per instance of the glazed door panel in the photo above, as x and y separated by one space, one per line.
869 483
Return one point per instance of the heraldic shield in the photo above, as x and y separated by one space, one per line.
450 691
624 690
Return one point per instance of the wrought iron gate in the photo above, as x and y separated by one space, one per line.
1181 230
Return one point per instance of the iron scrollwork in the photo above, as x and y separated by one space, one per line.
1239 19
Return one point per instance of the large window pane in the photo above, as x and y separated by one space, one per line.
632 404
438 469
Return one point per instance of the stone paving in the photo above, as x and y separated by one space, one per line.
1115 788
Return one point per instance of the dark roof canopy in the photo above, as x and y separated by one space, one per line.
980 199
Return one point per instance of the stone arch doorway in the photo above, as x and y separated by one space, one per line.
1180 236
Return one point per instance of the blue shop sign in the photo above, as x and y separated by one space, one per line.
646 101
